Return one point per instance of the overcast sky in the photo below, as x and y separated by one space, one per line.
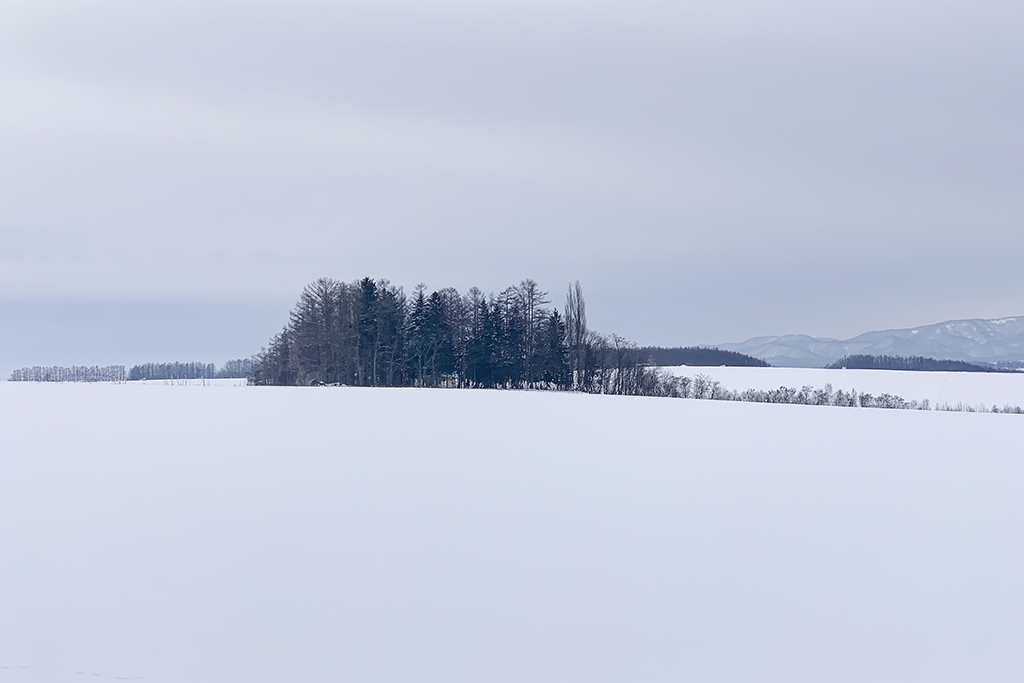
709 170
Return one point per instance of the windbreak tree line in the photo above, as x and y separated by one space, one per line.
866 362
74 373
703 387
192 370
700 356
369 333
238 368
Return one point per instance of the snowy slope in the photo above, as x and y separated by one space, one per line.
969 388
969 340
219 533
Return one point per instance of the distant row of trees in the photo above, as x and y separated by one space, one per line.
192 370
920 363
369 333
703 387
238 368
699 356
979 408
116 373
74 373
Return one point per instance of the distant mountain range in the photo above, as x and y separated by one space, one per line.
979 341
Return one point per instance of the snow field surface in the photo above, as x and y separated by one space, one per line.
177 533
969 388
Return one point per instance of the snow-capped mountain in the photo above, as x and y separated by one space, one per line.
987 341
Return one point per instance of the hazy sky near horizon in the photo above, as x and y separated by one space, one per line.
710 171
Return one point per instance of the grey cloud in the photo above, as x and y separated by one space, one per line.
235 150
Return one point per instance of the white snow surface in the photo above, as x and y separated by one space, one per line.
969 388
176 533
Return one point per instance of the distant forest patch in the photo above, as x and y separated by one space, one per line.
865 362
700 356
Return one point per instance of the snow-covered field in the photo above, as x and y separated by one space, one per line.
969 388
190 533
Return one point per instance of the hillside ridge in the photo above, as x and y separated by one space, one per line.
997 341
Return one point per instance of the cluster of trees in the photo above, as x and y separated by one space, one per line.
74 373
866 362
369 333
191 370
699 356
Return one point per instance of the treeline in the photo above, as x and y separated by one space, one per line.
699 356
866 362
369 333
980 408
74 373
191 370
703 387
235 369
239 368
